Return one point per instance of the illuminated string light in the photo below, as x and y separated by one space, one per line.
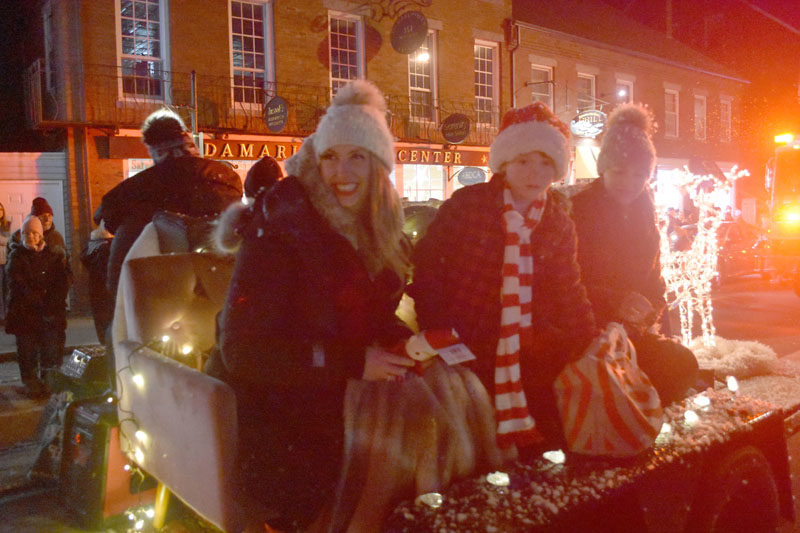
138 379
689 274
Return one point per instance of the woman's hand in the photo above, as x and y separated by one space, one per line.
382 365
637 310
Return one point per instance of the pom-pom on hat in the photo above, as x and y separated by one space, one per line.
357 116
39 206
533 128
628 138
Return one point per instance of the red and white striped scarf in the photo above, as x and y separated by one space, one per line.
514 423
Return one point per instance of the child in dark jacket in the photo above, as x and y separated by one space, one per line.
38 281
498 265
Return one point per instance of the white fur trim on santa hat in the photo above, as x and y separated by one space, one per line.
530 136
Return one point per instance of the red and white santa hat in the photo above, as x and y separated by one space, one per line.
533 128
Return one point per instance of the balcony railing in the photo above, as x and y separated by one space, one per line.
112 98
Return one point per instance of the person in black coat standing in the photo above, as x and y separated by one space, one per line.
38 282
94 257
180 181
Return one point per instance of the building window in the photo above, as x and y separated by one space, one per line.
142 47
542 85
346 49
250 25
671 113
725 114
624 91
423 182
700 117
485 82
586 91
422 80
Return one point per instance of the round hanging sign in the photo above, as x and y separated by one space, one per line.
276 114
409 31
455 128
471 176
588 124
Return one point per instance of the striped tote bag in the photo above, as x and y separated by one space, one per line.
606 402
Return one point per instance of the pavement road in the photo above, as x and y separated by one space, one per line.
750 308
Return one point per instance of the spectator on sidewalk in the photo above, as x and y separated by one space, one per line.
619 250
181 181
94 257
5 233
38 281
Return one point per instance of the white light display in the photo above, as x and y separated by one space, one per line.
689 273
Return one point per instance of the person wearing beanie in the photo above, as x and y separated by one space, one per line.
38 282
180 181
320 269
497 264
262 175
619 249
41 208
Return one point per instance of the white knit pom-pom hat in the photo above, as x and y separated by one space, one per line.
533 128
357 116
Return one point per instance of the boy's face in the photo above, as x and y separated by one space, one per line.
529 176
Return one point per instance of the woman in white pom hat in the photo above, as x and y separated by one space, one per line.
320 269
619 249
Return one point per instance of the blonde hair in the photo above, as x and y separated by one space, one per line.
382 218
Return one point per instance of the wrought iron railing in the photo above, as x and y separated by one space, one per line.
110 97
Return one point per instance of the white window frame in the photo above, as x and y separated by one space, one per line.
725 119
360 61
676 94
536 92
433 52
495 109
593 92
700 117
628 86
268 50
163 26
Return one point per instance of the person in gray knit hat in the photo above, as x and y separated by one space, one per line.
619 250
321 262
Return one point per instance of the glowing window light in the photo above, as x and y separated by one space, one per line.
423 57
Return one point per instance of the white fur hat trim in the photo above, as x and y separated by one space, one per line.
530 136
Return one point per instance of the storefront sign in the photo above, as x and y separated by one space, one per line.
222 149
588 124
409 32
455 128
276 114
427 156
471 176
